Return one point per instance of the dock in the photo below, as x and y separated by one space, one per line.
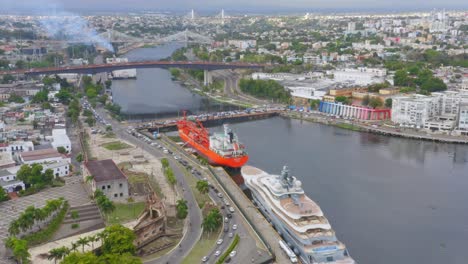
167 125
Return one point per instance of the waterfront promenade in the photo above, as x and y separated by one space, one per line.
372 128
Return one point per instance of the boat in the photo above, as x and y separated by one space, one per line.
221 149
297 219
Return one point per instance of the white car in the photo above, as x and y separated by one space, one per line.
205 259
220 195
231 209
217 253
234 227
233 253
219 242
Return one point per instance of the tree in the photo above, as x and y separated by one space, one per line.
63 96
203 186
19 248
314 104
342 99
58 253
388 102
89 178
434 85
41 96
182 209
213 220
14 98
81 258
3 195
375 102
74 246
62 150
117 239
82 241
401 78
93 239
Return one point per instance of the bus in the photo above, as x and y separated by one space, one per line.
288 251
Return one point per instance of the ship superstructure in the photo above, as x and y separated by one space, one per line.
297 218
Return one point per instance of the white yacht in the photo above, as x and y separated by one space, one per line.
297 218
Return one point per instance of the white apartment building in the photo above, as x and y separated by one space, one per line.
412 110
462 125
440 111
60 139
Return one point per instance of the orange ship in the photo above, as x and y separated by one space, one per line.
222 149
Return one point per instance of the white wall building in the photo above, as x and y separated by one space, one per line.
60 139
60 169
9 182
307 92
440 111
361 76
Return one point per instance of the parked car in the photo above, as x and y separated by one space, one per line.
231 209
220 195
226 228
233 253
217 253
231 234
219 242
234 227
205 259
226 219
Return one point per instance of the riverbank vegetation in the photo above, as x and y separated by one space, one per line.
265 89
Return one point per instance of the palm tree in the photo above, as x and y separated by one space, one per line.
93 239
181 207
212 221
74 246
82 241
40 215
202 186
58 253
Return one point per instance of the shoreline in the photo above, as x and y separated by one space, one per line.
375 130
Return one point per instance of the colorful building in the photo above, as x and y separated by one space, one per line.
352 111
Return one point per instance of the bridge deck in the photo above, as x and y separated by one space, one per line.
96 68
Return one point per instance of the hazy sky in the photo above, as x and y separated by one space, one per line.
238 5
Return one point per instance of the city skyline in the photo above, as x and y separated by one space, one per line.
274 6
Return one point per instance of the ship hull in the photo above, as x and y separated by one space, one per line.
214 158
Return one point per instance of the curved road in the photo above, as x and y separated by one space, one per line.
193 230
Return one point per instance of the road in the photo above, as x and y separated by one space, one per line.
192 231
232 90
250 253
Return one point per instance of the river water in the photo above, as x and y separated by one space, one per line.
390 200
153 94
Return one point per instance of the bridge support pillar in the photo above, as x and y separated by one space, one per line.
207 79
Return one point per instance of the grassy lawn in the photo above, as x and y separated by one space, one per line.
125 212
116 145
348 126
202 248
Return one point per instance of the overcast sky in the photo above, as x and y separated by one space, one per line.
238 5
